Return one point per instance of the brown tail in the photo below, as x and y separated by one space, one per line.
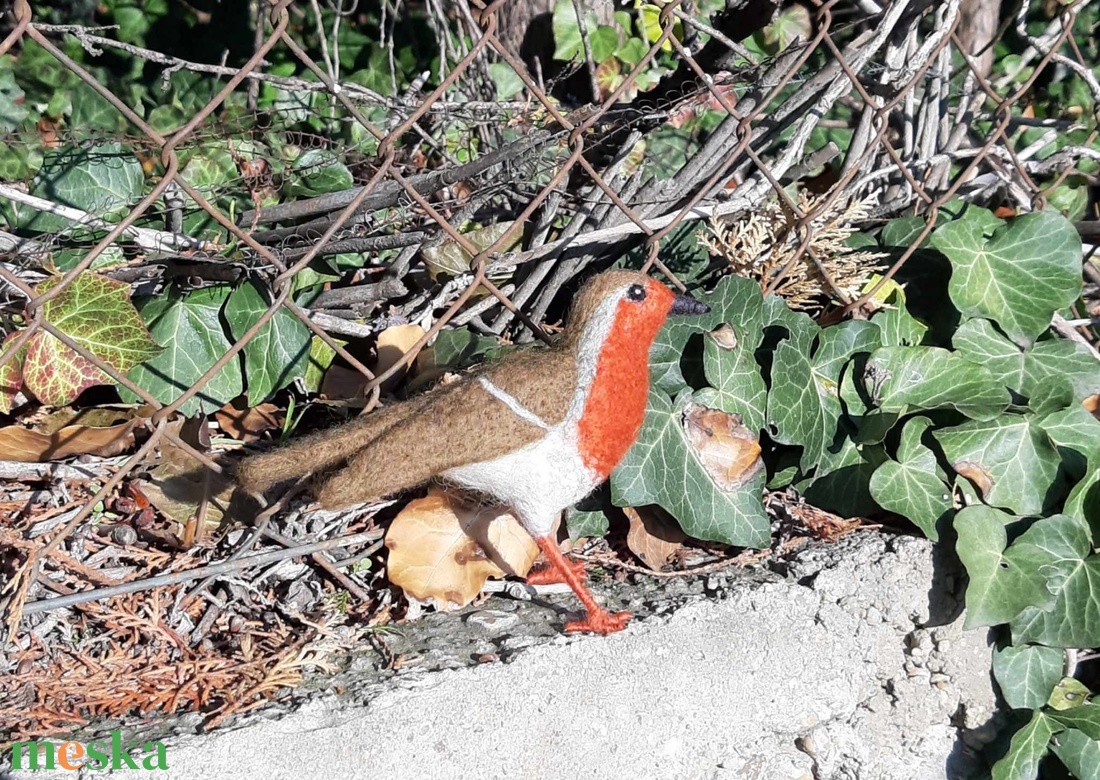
317 451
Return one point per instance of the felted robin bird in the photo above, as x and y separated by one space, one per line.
535 432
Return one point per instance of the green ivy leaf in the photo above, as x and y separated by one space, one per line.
1073 579
1027 674
800 328
729 361
97 314
841 483
910 485
795 408
632 51
1085 719
567 31
1007 579
508 83
1020 276
278 353
1076 433
902 232
1010 459
904 379
1080 754
210 166
604 39
190 329
459 347
1024 370
734 301
793 24
581 523
736 383
661 468
1068 694
91 111
12 103
804 403
898 327
1028 747
102 180
321 356
318 171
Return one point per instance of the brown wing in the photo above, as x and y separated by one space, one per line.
456 425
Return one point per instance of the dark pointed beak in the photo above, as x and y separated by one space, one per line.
685 304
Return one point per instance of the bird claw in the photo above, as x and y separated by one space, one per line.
550 574
599 622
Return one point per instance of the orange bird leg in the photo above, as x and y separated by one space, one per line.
549 574
597 619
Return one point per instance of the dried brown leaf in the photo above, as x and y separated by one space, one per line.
443 551
976 473
29 446
342 383
727 449
652 536
178 485
394 344
247 424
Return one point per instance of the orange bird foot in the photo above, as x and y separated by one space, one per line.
599 621
549 574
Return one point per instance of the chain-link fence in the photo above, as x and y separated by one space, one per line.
878 102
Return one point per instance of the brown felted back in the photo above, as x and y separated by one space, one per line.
320 450
460 424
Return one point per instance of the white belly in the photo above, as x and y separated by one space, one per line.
538 481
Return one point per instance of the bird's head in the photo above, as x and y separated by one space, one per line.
625 305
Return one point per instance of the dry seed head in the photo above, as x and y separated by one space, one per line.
760 244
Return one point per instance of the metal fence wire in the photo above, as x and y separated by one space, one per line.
927 124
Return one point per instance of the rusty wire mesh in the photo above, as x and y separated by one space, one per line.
917 99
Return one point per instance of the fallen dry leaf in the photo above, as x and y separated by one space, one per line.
394 344
29 446
92 417
976 473
178 484
342 383
727 449
724 336
442 550
824 525
247 424
652 536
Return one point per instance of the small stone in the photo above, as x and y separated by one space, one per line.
939 680
123 535
488 658
492 620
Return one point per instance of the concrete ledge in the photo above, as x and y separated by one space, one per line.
842 668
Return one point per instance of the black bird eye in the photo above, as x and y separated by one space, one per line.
636 292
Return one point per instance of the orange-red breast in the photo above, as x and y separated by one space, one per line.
536 432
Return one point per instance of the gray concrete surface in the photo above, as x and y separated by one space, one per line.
843 669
